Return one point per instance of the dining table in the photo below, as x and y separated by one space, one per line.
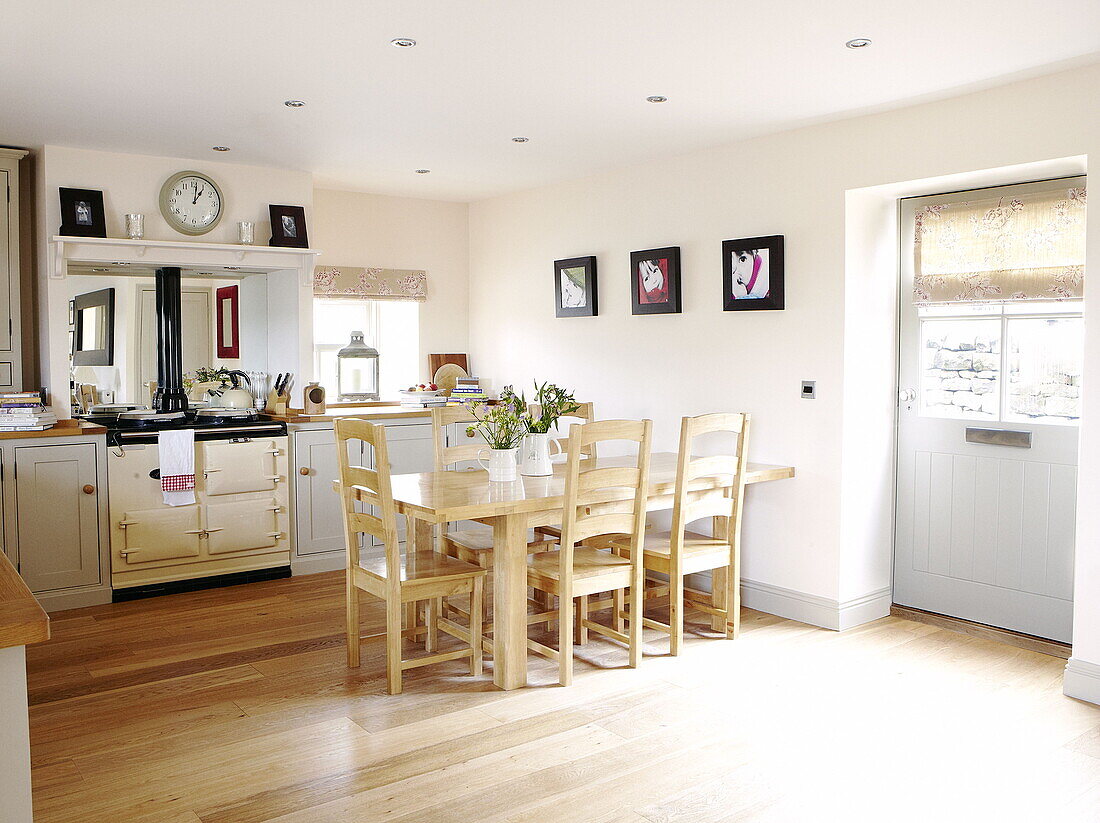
513 508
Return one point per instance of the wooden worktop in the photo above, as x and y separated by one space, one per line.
365 411
22 620
63 428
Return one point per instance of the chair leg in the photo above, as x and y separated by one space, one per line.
352 622
582 615
565 640
676 613
393 645
733 601
635 630
476 619
618 600
434 607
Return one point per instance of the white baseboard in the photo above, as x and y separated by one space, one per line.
313 564
1082 680
808 608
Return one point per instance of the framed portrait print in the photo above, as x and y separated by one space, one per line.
575 292
752 274
655 281
82 213
288 227
229 329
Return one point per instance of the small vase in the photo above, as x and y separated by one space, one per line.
501 466
534 459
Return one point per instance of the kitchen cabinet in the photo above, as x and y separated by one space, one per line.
54 519
11 360
318 524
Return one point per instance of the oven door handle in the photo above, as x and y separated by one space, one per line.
216 529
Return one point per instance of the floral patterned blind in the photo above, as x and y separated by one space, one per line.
1030 247
357 283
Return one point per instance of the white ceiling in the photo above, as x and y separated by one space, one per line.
572 75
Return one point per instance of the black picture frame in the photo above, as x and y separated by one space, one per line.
666 299
82 213
288 227
103 355
567 269
736 278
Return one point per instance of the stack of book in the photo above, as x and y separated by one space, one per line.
24 411
467 390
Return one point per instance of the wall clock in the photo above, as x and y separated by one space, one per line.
191 202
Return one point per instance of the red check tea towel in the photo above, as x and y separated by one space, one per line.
177 466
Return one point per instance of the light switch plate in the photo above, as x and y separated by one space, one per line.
809 389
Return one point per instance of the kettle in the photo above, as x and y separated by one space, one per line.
236 397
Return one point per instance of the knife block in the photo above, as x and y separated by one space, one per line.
277 403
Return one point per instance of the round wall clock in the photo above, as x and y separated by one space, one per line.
191 202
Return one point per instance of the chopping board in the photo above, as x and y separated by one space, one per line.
437 360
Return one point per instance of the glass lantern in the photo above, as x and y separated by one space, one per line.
357 370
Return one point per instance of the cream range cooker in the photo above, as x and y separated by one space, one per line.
236 531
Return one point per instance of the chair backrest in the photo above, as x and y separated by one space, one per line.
446 456
587 485
585 412
724 502
368 486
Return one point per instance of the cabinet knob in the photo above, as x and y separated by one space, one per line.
304 471
88 489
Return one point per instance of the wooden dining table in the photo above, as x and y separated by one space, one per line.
512 509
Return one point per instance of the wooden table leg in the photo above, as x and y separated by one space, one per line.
510 601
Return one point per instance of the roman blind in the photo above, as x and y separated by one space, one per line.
357 283
1028 247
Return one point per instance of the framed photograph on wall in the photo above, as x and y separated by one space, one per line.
82 213
752 274
575 292
229 329
655 281
288 227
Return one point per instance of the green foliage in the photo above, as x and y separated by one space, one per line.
551 403
499 425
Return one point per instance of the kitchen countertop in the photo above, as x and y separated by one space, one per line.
22 620
63 428
367 411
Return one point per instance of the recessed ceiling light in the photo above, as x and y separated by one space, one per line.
221 148
294 104
403 42
858 43
423 171
657 98
520 139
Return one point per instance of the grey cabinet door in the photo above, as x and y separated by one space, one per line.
57 516
411 451
319 525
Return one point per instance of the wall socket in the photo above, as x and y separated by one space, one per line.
809 389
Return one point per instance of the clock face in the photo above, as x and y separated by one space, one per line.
191 203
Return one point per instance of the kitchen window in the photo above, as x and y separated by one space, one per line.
391 326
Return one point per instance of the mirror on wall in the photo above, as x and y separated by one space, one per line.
94 328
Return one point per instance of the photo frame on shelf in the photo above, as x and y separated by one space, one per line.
655 281
288 227
752 274
229 330
82 213
576 292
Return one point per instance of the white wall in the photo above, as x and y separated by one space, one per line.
825 535
356 229
131 183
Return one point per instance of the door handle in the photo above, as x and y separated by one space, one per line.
88 489
907 395
304 471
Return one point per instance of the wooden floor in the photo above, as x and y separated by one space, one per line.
235 706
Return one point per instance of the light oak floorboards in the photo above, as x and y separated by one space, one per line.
236 706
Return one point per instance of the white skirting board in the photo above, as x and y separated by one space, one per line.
1082 680
809 608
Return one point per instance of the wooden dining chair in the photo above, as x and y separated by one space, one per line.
594 505
585 413
398 578
679 552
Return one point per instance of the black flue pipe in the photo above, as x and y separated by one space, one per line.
170 396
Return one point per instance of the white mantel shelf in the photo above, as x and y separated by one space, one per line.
141 256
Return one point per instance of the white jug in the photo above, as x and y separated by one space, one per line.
502 464
534 459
